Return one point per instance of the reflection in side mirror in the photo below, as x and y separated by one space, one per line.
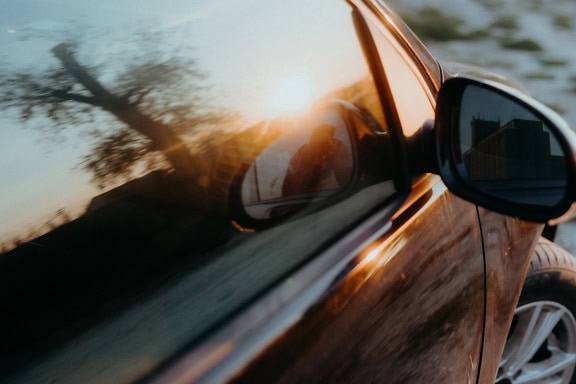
504 151
313 162
304 165
507 151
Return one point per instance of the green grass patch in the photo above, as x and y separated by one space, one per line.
507 22
433 24
491 4
572 88
536 5
563 22
520 44
556 108
478 34
539 76
549 62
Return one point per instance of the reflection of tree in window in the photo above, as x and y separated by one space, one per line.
154 104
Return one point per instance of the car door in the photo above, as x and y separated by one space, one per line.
400 298
148 228
508 242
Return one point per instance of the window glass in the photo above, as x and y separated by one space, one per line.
164 163
412 96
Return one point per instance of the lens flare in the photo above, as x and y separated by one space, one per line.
292 94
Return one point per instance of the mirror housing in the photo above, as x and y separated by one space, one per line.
315 160
500 149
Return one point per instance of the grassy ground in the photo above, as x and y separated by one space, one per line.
530 41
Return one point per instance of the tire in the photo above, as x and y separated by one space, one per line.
541 345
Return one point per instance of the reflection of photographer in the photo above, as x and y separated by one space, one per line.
323 163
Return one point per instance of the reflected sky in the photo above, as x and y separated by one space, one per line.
260 61
482 104
479 103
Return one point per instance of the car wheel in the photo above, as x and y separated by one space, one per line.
541 345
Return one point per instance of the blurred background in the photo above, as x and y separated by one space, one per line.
531 41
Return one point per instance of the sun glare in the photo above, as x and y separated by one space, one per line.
291 94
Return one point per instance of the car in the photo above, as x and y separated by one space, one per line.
273 191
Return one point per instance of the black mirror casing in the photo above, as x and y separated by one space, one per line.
500 149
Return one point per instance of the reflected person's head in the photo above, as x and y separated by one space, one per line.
322 136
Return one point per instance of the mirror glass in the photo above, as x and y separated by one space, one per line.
311 160
508 152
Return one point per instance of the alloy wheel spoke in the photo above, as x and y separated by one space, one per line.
540 326
558 363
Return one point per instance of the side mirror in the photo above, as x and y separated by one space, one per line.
315 161
502 150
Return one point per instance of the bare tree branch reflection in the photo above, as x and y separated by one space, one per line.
156 106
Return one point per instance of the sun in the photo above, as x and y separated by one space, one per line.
292 93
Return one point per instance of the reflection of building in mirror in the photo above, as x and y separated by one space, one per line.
519 149
323 163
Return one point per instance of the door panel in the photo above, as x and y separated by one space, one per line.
409 310
122 135
509 244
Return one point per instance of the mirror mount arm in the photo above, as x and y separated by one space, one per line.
422 150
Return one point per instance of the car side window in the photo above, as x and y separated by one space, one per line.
412 96
145 151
